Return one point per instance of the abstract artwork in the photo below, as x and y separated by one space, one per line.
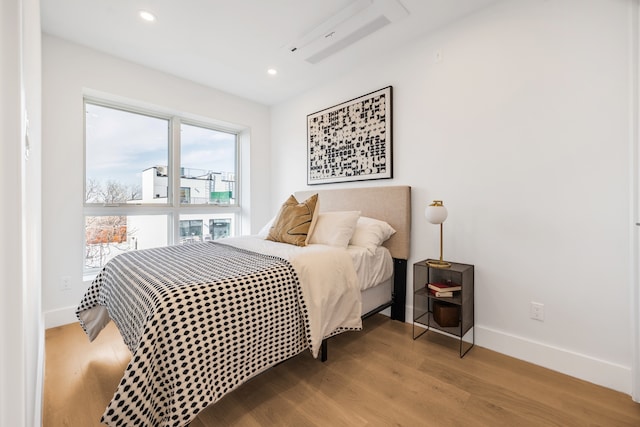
351 141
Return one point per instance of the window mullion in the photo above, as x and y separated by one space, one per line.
174 183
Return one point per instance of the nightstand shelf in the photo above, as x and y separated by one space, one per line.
455 313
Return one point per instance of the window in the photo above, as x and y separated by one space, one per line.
139 195
207 157
109 235
185 195
121 147
220 227
190 230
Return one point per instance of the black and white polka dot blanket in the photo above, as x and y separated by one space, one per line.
200 320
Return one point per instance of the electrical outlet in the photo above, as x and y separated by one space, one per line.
65 283
536 311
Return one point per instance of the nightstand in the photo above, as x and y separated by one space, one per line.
455 313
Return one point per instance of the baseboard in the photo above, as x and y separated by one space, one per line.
601 372
62 316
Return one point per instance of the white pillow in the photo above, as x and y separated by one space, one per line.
371 233
335 228
264 231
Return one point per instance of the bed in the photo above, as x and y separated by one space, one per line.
390 204
202 319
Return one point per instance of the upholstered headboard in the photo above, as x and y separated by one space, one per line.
391 204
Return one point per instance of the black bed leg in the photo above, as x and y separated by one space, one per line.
323 351
399 289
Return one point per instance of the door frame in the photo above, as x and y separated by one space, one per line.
634 148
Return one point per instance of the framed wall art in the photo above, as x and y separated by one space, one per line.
351 141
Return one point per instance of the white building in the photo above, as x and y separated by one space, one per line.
197 187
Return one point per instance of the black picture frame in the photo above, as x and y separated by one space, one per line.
351 141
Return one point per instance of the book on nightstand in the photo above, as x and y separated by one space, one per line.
444 287
440 294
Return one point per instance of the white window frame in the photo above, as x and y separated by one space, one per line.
173 208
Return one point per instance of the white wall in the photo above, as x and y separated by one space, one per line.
21 329
68 70
523 130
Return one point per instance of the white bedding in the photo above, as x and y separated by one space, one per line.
372 269
333 308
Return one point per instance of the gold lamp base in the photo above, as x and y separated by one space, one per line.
438 264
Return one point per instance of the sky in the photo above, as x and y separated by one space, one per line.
120 145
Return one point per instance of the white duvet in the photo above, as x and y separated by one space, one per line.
330 285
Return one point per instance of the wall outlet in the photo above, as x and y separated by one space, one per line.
65 283
536 311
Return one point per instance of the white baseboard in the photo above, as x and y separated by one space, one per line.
62 316
601 372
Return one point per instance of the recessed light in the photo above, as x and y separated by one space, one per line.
147 16
272 71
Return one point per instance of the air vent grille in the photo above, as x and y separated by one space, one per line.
345 28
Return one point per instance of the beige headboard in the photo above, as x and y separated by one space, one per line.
391 204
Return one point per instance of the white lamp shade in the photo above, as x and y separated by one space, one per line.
436 213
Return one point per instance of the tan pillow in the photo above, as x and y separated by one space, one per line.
295 221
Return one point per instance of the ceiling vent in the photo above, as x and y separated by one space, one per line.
351 24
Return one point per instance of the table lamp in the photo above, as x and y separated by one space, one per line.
436 213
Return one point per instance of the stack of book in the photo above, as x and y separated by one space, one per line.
443 289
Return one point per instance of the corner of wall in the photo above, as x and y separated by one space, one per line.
60 317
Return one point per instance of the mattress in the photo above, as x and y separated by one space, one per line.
371 268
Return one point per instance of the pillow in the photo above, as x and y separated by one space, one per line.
294 222
371 233
335 228
264 231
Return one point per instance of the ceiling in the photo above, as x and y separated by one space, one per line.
230 44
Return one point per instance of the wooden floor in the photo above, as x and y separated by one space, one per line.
378 377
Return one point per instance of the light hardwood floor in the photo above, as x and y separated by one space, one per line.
377 377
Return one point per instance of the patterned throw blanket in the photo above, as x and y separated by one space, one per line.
200 320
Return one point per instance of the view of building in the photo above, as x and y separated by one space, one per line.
108 236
